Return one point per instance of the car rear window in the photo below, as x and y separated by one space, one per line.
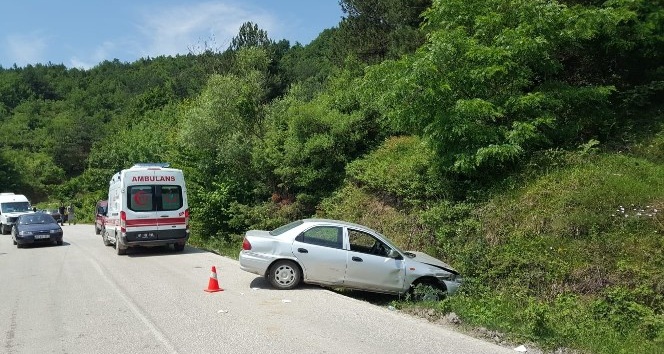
155 198
280 230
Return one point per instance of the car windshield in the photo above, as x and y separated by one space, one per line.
280 230
37 218
13 207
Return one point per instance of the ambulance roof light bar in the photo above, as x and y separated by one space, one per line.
151 164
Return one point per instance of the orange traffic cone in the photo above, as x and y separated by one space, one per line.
213 284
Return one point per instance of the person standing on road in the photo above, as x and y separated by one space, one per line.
62 211
70 214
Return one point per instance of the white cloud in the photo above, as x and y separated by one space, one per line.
177 29
101 53
26 49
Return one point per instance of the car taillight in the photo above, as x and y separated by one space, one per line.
246 245
186 218
123 222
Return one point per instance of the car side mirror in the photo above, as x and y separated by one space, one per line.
393 254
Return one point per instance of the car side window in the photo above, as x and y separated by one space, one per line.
327 236
366 243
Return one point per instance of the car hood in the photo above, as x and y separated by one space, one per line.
17 213
426 259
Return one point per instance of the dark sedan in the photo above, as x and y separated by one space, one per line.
55 213
36 228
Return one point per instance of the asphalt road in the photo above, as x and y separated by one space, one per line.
83 298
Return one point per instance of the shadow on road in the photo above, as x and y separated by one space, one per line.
263 283
43 245
159 251
373 298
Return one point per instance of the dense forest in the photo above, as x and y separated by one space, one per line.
520 140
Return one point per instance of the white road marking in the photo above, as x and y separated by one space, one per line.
136 311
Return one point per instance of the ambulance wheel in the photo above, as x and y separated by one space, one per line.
118 248
104 237
178 247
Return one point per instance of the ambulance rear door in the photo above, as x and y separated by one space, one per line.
171 204
141 212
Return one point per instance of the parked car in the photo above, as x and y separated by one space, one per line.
36 228
340 254
54 213
100 215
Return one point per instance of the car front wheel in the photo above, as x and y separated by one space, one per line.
284 275
427 290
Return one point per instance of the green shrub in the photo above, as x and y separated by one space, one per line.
401 169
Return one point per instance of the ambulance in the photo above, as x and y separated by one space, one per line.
147 206
11 207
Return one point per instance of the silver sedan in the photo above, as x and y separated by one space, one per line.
340 254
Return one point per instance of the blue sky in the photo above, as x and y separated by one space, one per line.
83 33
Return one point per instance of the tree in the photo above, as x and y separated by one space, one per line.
250 36
217 133
10 179
306 147
375 30
498 80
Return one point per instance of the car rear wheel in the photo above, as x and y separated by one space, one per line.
284 275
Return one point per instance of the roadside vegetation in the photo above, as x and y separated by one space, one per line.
520 141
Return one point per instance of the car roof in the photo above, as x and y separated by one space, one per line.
338 222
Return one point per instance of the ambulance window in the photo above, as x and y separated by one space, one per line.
171 198
140 198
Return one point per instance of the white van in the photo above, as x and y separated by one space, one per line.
11 207
147 206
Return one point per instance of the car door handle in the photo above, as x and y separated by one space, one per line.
357 259
302 250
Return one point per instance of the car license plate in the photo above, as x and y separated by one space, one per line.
41 236
146 235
